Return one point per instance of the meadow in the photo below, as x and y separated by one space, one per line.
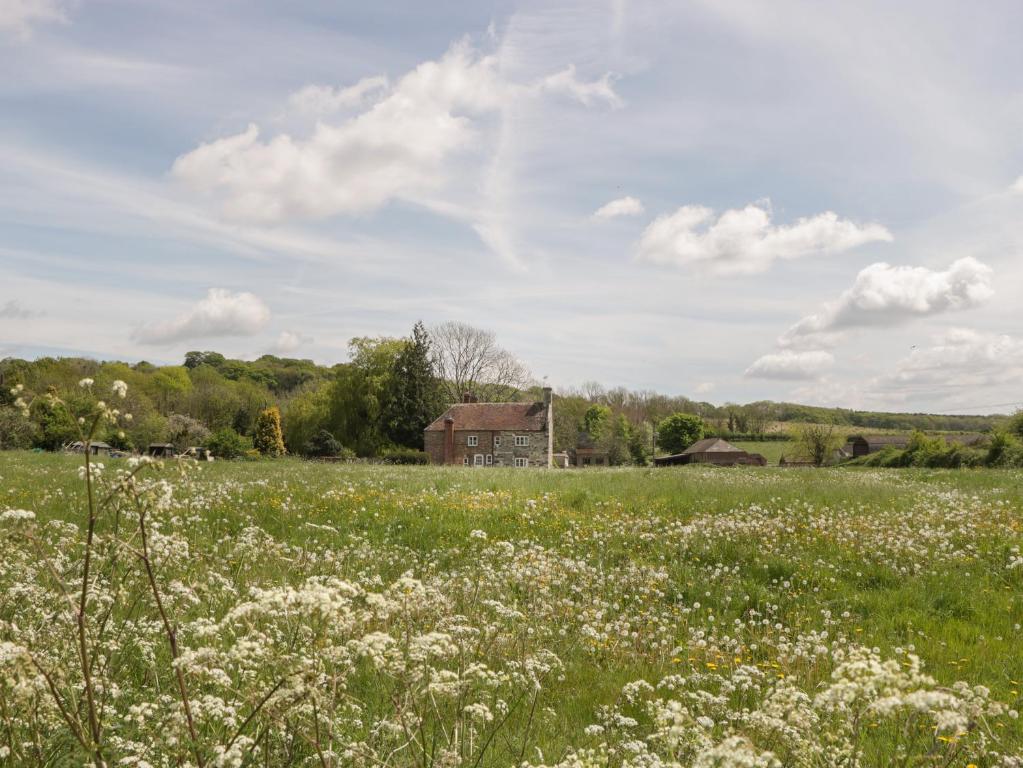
297 613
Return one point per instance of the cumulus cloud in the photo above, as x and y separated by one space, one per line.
289 341
221 313
744 241
623 206
19 17
883 295
400 144
15 310
790 365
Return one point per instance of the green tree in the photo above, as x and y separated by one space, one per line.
596 421
1015 425
324 444
413 399
227 444
360 392
16 429
679 431
617 441
817 442
268 439
641 443
305 414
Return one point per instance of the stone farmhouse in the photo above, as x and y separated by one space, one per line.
493 434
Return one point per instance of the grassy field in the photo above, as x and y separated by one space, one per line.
363 615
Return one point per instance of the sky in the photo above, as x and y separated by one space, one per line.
732 200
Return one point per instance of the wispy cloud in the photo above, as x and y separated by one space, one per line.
19 17
15 310
790 365
623 206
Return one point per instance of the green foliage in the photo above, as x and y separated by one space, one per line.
1015 425
185 432
324 444
268 439
679 431
641 444
56 425
304 415
817 443
413 397
360 393
16 429
406 456
596 421
225 443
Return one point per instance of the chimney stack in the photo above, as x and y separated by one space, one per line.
449 440
548 400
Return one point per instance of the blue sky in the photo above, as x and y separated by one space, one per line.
726 199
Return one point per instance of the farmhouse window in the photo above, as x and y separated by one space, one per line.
465 460
521 441
521 462
477 460
474 440
490 459
497 441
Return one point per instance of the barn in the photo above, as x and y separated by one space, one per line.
712 450
863 445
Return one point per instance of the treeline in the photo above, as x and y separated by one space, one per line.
377 403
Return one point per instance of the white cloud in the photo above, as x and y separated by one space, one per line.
424 139
565 82
959 360
396 148
221 313
319 100
18 17
290 341
1017 186
743 240
15 310
705 387
883 295
790 365
623 206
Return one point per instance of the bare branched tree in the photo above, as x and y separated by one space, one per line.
817 442
468 359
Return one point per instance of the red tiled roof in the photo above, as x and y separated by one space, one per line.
496 417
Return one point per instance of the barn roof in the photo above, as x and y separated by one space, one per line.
883 439
494 417
712 445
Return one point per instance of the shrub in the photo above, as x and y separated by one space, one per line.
268 439
404 456
324 444
16 429
227 444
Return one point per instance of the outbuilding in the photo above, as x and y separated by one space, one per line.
862 445
712 450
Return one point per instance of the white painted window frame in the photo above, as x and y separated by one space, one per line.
473 441
521 441
477 459
520 462
490 459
